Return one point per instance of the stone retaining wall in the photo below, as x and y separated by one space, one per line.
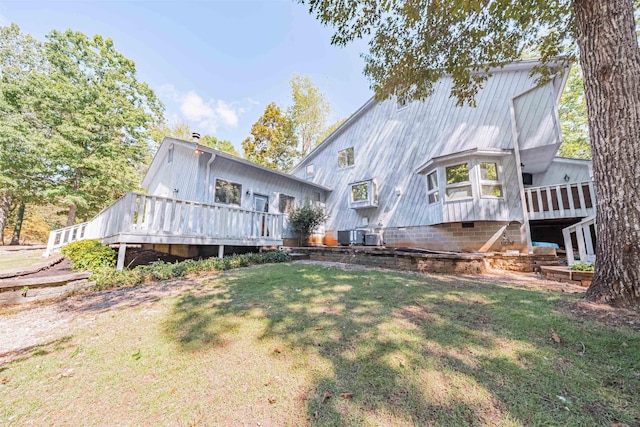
448 263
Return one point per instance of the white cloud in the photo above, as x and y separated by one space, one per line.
207 115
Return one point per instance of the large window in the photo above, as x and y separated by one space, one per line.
227 192
363 195
286 203
432 187
458 182
490 184
345 158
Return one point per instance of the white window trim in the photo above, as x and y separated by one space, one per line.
436 190
293 202
372 193
482 182
354 158
215 184
468 183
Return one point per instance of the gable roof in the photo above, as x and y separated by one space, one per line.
167 142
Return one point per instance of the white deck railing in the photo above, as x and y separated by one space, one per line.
584 231
574 200
147 219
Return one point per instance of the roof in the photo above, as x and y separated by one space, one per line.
168 141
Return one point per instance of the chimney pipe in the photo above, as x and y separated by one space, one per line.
195 136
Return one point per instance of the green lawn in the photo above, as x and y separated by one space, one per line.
279 344
9 261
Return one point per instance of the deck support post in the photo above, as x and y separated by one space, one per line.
122 249
220 251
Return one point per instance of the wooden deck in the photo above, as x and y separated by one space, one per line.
138 218
571 200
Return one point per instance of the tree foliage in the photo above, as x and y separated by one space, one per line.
273 142
309 112
77 119
218 144
573 118
23 169
181 130
305 219
99 116
412 43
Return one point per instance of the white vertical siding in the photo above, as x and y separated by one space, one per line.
389 145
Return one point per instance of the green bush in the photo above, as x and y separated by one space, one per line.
89 255
582 266
305 219
109 277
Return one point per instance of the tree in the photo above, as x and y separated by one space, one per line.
23 170
330 129
309 112
305 219
181 130
218 144
573 118
98 116
272 142
413 43
176 129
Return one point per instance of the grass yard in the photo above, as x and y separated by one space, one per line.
299 344
9 261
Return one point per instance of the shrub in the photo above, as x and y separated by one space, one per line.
109 277
89 255
305 219
582 266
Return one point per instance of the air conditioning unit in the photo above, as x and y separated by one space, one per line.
373 239
352 237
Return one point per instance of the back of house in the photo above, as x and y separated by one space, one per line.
436 175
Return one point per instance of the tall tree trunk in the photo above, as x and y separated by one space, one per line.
15 239
5 205
73 209
610 60
71 216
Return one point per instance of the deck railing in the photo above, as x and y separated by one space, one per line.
146 216
573 200
585 231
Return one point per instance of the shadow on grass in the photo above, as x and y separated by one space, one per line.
417 351
25 353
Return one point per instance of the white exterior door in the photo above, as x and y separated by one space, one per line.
260 204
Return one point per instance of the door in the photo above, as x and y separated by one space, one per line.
260 204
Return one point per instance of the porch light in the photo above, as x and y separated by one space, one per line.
197 151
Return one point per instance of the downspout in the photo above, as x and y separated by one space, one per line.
207 180
516 150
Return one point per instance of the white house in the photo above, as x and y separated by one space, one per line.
434 175
425 174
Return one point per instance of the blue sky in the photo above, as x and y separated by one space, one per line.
214 64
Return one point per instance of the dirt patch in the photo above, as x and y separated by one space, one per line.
616 317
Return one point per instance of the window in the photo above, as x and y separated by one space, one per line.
363 194
458 183
490 185
170 155
227 192
345 158
360 192
433 194
286 203
309 171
